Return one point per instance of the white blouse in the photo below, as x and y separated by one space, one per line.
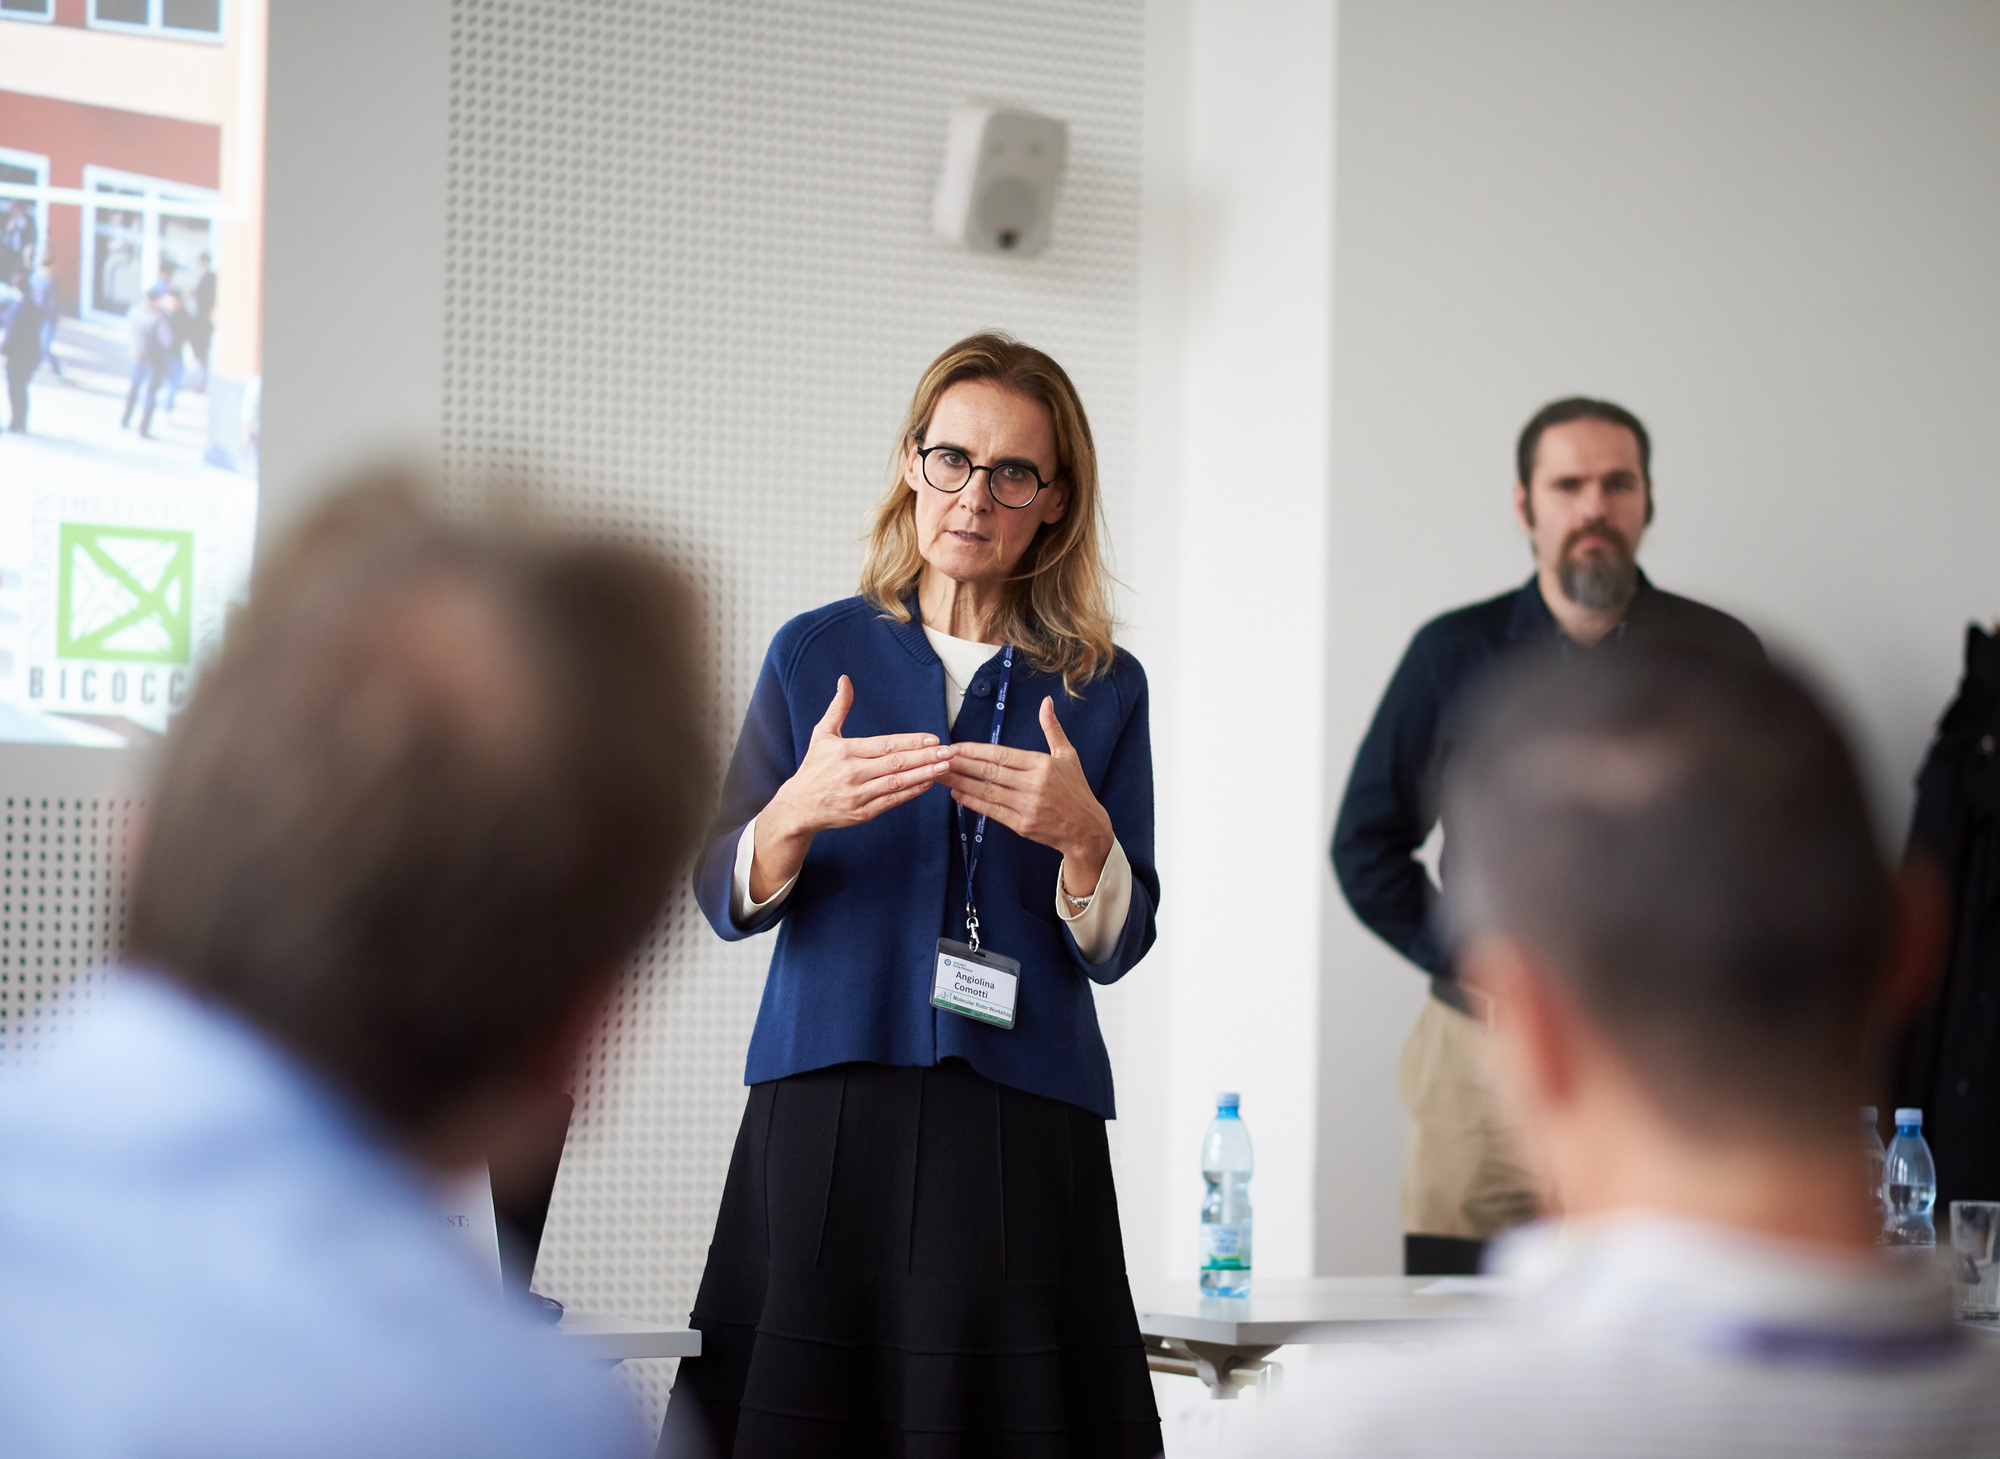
1096 928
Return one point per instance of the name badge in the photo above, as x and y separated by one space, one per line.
977 985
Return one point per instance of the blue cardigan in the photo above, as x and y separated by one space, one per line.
850 979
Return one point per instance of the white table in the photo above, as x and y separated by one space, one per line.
611 1340
1227 1341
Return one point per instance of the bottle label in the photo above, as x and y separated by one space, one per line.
1225 1247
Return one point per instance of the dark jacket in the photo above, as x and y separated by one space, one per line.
1391 802
1950 1063
21 339
850 978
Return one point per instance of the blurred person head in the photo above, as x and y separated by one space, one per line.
1583 490
420 810
1038 529
1666 879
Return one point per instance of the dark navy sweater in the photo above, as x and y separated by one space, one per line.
850 978
1391 801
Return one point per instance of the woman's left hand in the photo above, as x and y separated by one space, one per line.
1042 797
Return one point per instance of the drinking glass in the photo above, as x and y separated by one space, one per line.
1975 1230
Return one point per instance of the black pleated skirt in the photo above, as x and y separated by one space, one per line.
914 1262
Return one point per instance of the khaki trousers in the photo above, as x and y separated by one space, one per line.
1464 1175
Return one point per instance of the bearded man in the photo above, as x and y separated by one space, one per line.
1584 494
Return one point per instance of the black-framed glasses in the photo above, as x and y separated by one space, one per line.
1012 483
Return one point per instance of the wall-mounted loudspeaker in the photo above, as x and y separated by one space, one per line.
1001 168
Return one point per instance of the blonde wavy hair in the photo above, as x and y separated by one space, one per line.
1059 612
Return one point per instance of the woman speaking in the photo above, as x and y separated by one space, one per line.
943 801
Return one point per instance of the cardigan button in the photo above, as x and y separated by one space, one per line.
982 688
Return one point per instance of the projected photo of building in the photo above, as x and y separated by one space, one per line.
131 236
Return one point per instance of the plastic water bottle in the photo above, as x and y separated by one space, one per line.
1909 1185
1873 1153
1225 1212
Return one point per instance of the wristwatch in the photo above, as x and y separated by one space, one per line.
1077 905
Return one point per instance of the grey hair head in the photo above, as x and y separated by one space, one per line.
1685 842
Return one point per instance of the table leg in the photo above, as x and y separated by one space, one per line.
1227 1370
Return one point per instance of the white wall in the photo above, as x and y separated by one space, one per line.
1229 602
1769 228
353 243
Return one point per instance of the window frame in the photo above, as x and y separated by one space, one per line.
153 25
47 17
154 196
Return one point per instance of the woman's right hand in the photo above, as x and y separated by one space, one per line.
840 782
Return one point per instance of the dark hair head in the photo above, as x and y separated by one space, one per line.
1686 842
1579 407
431 794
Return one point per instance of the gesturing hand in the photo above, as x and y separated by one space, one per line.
1043 797
841 782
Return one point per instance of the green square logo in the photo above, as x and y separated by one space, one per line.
125 593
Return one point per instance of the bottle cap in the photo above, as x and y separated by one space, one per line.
1909 1117
1228 1099
1868 1114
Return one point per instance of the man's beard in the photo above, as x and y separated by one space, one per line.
1603 580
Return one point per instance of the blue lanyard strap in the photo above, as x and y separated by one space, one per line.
970 851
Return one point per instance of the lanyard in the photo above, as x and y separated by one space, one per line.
971 851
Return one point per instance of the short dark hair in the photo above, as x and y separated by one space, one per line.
432 793
1580 407
1686 840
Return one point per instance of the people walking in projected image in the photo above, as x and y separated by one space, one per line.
138 336
174 306
21 347
177 321
18 236
42 289
200 300
155 337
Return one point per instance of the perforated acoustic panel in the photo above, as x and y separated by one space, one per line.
62 909
691 280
